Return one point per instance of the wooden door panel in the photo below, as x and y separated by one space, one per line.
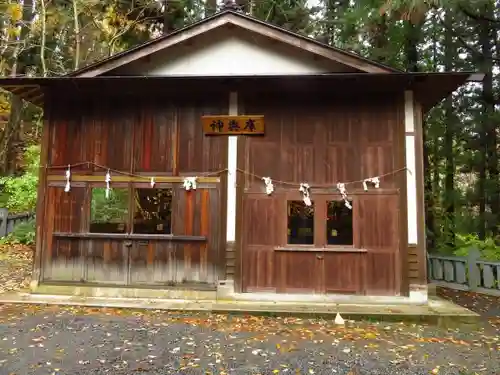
197 213
258 269
64 258
344 272
107 262
298 271
382 278
261 233
376 228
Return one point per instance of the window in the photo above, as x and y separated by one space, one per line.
153 211
338 224
300 223
109 215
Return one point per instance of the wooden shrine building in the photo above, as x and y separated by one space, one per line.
224 103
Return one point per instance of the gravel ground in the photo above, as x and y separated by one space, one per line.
64 340
51 340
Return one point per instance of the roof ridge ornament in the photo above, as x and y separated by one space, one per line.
230 5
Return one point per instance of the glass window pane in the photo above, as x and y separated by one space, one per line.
109 215
339 224
153 211
300 223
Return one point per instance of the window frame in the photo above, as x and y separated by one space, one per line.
320 241
131 186
353 204
133 207
314 224
101 185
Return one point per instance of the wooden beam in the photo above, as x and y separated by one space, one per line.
419 173
145 179
41 223
131 236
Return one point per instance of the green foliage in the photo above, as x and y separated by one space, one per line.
109 210
451 38
19 192
23 233
488 248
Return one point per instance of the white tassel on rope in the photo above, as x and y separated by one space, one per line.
190 183
67 188
152 182
108 180
306 195
373 180
269 185
343 193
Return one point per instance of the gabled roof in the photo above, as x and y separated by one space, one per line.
429 88
236 19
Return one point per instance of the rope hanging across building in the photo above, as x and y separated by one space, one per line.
220 172
189 183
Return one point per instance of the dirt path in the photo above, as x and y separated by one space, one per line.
487 306
15 267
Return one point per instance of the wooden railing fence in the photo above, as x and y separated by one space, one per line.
465 273
9 221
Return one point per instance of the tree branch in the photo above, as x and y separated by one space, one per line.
475 16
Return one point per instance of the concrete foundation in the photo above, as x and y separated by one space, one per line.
420 305
436 311
225 292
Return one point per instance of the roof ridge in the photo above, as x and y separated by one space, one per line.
231 11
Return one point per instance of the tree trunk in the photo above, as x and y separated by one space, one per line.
380 39
488 161
43 18
449 120
76 30
18 62
413 32
8 136
492 190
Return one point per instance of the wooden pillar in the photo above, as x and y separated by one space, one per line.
41 197
231 194
415 187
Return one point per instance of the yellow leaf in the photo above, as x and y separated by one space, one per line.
15 12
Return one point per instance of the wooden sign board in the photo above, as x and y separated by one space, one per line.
233 125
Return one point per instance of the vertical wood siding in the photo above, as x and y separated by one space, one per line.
153 135
324 141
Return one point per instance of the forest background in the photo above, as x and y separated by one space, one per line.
461 152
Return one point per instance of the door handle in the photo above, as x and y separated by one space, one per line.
128 243
320 257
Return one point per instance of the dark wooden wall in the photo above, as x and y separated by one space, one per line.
314 139
148 135
321 140
145 134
